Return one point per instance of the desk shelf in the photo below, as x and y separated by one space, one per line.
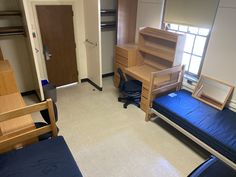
162 45
160 52
159 34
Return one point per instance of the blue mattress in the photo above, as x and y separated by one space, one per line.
215 128
213 167
48 158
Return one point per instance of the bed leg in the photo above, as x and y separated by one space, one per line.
148 116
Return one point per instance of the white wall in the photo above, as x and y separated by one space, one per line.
15 49
220 60
108 39
149 14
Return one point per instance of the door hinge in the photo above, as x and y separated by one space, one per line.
72 13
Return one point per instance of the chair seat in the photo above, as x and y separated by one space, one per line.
133 86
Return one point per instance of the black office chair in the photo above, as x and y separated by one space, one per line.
130 90
46 118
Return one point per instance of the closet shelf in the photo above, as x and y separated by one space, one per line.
108 12
12 30
10 13
108 25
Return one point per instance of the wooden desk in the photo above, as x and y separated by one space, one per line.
156 50
7 79
143 74
11 99
11 102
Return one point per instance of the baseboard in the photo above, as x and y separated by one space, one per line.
108 75
92 83
84 80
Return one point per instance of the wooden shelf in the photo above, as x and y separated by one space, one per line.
108 25
10 13
108 12
159 66
161 52
13 30
168 36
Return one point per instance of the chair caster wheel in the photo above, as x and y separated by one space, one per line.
124 106
119 99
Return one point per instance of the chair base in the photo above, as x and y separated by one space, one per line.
127 101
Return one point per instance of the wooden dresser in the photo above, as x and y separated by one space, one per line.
125 57
7 79
156 50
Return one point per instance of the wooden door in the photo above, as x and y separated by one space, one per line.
57 32
93 41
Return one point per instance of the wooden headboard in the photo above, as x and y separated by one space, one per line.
173 81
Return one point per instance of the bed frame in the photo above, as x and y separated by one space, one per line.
175 84
13 140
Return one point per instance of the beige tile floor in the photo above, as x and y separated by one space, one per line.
109 141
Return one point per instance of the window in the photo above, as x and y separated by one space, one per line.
195 46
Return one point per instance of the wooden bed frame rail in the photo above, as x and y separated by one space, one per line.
174 82
12 139
195 139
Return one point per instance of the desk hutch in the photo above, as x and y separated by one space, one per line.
156 50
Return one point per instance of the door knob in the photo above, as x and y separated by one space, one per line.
47 55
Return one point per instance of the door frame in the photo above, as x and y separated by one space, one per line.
35 44
37 29
99 45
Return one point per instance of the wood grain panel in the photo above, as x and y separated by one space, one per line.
7 79
57 31
126 27
1 55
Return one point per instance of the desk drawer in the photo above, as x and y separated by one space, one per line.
122 60
116 80
122 52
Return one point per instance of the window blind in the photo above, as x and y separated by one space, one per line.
199 13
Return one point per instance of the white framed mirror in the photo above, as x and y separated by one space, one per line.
213 92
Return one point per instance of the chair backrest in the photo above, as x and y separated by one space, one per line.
122 79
